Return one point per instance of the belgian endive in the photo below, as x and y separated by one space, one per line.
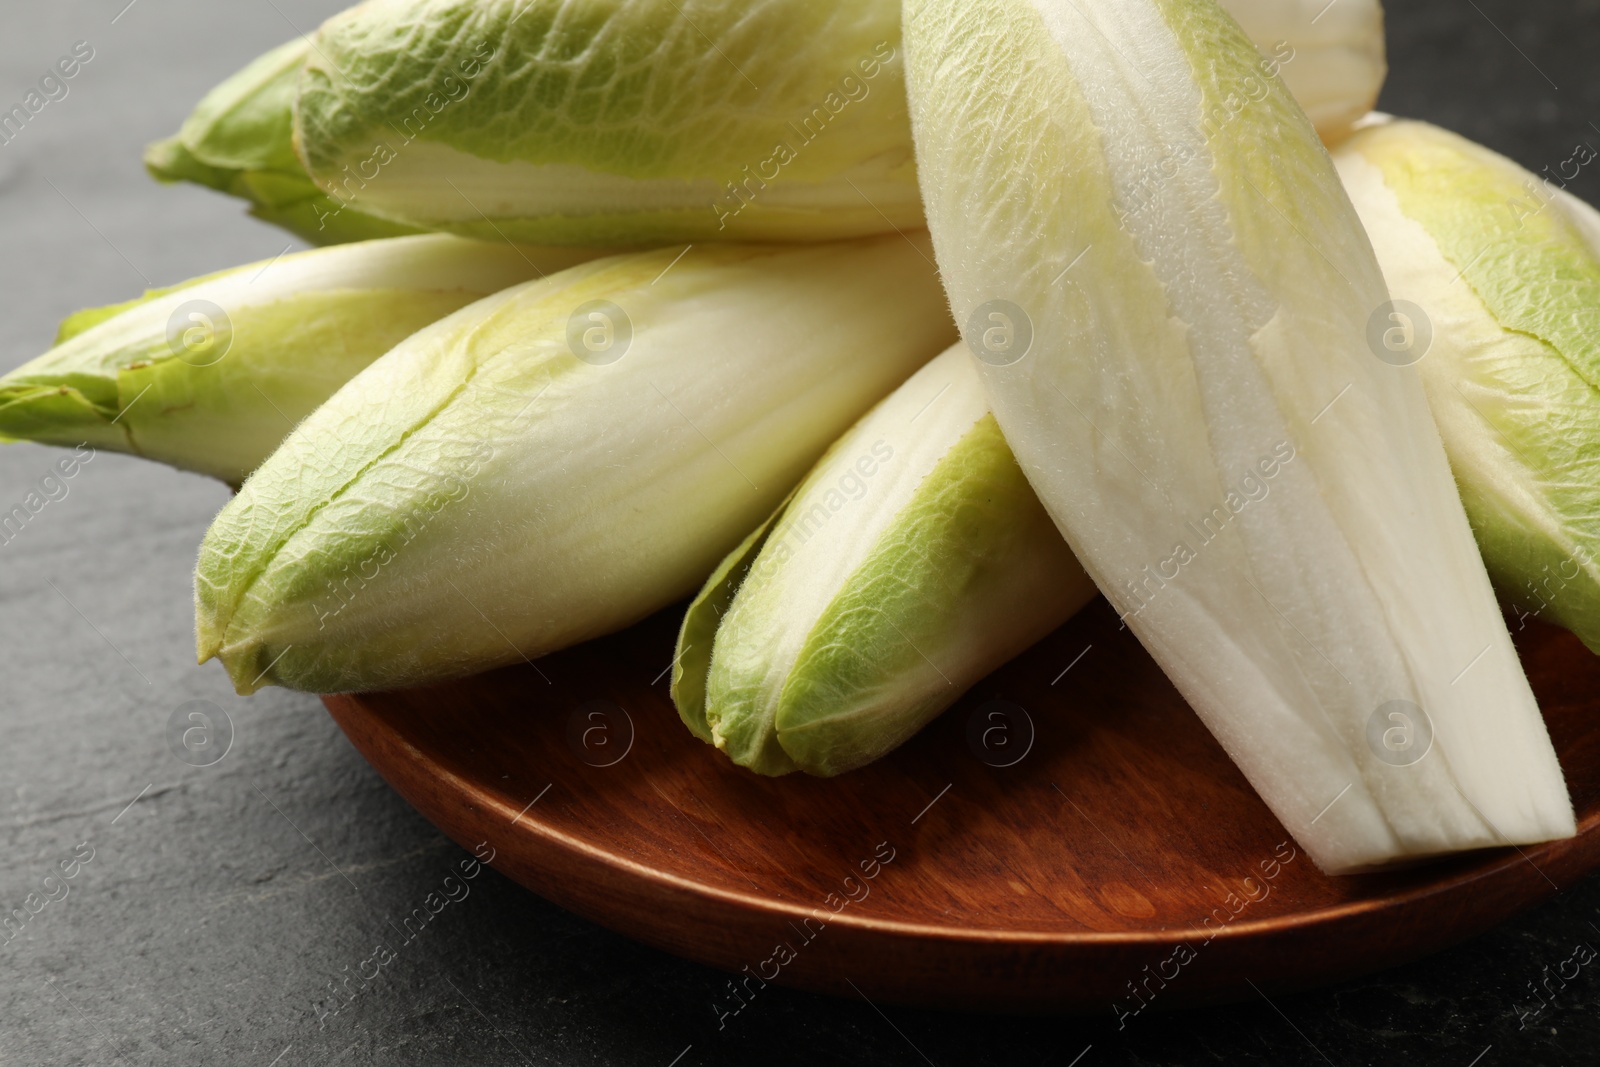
913 561
1499 272
555 462
596 121
593 120
1190 389
240 141
211 375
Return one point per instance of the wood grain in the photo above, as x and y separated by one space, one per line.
1121 864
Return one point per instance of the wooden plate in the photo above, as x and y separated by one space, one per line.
1119 861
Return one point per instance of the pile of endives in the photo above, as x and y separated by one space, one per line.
645 303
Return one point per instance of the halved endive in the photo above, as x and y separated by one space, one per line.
240 141
211 375
592 121
912 562
1191 390
555 462
1496 275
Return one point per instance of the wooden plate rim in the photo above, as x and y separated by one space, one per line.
1496 862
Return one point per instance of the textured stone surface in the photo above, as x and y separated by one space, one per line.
218 908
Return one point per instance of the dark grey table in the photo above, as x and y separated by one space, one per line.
221 902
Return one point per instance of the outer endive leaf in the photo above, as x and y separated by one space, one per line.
1502 273
211 375
240 141
482 494
1265 500
912 562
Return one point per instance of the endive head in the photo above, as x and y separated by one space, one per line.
1263 498
612 121
912 562
240 140
212 374
554 462
1499 273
